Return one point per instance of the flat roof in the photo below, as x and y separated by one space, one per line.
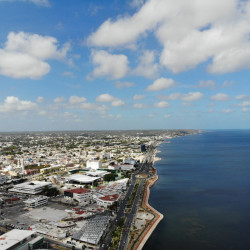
13 237
78 191
113 197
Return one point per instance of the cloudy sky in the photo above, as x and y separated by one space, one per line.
135 64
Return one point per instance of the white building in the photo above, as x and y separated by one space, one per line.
93 164
14 239
106 200
37 202
33 187
82 195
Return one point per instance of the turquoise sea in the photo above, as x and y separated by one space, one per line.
203 192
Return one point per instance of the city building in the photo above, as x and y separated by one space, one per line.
15 238
37 202
92 164
82 195
106 200
33 187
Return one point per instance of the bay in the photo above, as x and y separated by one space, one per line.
203 191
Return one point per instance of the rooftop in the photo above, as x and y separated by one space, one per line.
78 191
113 197
13 237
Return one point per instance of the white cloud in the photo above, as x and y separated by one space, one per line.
140 106
242 97
220 97
138 97
167 115
245 104
147 66
206 84
162 104
173 96
121 85
40 99
19 65
191 96
160 84
43 3
107 98
93 106
24 55
14 104
106 64
76 100
227 111
244 109
136 3
117 103
191 32
59 99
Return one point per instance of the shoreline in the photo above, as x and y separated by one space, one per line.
158 216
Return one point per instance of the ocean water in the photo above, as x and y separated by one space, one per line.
203 192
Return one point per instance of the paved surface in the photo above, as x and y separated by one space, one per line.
144 169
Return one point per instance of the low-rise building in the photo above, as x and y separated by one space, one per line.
37 202
82 195
106 200
33 187
93 164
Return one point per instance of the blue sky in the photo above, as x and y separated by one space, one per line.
93 65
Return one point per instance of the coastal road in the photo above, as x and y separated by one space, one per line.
144 168
120 214
130 218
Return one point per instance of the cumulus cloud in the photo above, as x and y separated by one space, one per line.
120 85
106 64
191 96
162 104
220 97
147 66
191 32
140 106
245 104
242 97
24 55
206 84
76 100
160 84
40 99
13 104
107 98
59 99
138 97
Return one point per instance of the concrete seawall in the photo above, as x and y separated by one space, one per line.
158 216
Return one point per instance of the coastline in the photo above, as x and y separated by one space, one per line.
141 240
158 216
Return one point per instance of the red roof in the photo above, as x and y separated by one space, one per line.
113 197
78 191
